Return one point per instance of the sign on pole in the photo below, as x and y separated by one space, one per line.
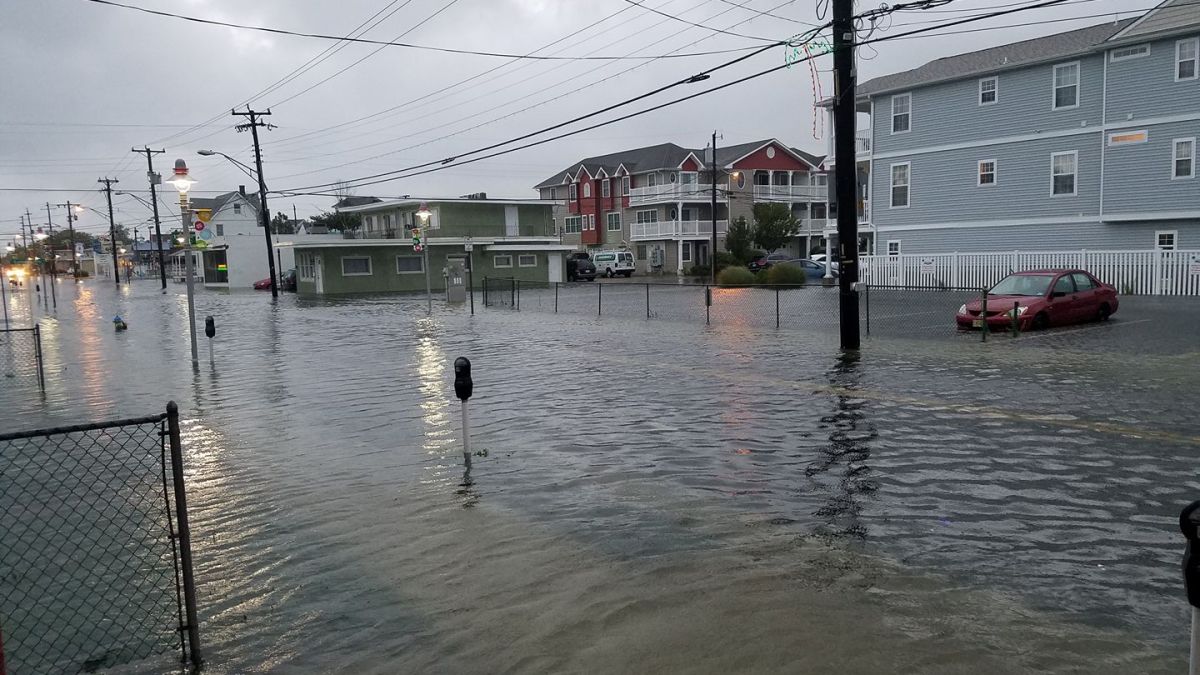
1194 263
927 267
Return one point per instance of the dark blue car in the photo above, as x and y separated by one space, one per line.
814 270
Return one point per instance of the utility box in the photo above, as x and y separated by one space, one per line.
456 281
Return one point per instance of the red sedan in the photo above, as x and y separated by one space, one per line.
1042 298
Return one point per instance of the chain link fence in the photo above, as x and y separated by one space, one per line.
95 565
21 354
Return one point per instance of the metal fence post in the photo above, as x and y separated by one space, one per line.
1016 326
867 297
517 285
512 293
184 533
647 301
485 285
556 297
37 342
983 329
707 305
599 299
777 307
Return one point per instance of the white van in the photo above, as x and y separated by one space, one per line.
612 263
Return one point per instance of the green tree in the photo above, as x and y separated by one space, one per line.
337 221
281 224
739 238
774 225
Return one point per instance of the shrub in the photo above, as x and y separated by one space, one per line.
760 277
786 275
697 271
727 260
735 276
754 254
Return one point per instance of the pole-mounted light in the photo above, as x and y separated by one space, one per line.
181 180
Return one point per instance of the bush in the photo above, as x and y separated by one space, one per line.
754 254
760 277
786 275
725 260
731 277
697 271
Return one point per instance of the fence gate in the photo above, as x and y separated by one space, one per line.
21 354
95 565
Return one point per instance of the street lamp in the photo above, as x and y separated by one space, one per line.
184 182
423 213
263 216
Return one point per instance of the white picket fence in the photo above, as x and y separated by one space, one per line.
1132 272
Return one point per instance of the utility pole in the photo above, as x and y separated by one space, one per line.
264 216
71 218
112 226
41 280
712 257
24 241
846 176
155 179
53 258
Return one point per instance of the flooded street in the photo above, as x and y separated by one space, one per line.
648 495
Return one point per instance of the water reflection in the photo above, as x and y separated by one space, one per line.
841 468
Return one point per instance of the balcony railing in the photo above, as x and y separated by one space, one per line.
672 192
862 144
676 229
791 193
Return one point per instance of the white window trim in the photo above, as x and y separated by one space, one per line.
587 190
520 263
1113 58
651 211
888 248
909 113
573 191
309 262
1054 86
496 261
370 266
608 224
605 189
1174 158
892 185
1075 183
995 79
625 185
419 258
1174 240
979 173
1196 50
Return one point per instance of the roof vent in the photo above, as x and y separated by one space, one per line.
475 195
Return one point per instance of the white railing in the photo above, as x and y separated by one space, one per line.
672 191
1131 272
862 144
791 193
672 229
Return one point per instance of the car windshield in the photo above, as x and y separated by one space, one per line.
1023 284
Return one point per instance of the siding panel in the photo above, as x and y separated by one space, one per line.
1138 177
1146 87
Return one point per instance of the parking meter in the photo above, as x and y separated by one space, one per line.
463 386
210 327
1189 524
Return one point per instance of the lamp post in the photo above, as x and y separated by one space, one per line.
423 213
263 216
183 182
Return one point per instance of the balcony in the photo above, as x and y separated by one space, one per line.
672 192
791 193
676 229
862 144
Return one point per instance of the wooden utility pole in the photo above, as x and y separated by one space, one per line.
263 214
846 171
112 227
155 179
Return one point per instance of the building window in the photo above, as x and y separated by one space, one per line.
589 222
1184 164
1128 137
573 191
625 185
1164 240
1066 86
989 90
572 225
527 260
900 184
356 266
237 208
220 228
987 172
587 190
687 251
901 113
502 261
1062 171
614 222
306 267
553 194
1185 59
1126 53
650 216
409 264
893 247
605 189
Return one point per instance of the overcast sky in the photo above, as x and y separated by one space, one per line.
84 82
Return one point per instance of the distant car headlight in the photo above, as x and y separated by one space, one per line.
963 309
1020 311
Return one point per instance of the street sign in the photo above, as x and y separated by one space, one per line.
199 226
205 235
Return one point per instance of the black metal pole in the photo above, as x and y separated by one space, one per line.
844 111
647 301
599 299
37 342
53 258
112 227
154 179
264 215
71 218
712 258
184 533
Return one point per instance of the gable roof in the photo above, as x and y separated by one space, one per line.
1170 15
217 203
993 59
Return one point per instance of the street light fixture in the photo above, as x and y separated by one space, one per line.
184 182
424 213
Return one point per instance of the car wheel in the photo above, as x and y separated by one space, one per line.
608 273
628 274
1104 313
1041 321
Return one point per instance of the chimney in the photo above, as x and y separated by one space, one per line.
242 190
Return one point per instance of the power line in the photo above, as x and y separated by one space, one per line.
1050 21
449 50
639 3
768 13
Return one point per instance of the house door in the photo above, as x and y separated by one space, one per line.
554 263
512 223
701 252
319 274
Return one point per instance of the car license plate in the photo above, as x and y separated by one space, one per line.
977 323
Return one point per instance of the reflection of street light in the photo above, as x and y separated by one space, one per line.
423 213
183 182
121 251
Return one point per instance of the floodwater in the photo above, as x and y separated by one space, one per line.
647 496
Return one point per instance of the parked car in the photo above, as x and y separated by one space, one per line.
612 263
287 282
579 266
1043 298
812 268
819 258
765 262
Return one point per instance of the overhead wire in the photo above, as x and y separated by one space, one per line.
640 3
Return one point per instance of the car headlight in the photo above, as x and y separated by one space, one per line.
1020 311
963 309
